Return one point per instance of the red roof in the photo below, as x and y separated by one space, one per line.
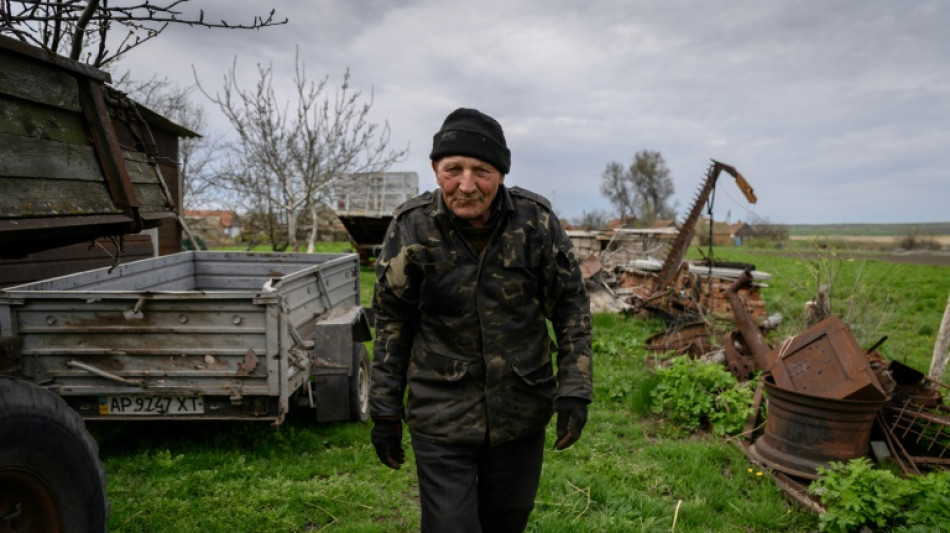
225 218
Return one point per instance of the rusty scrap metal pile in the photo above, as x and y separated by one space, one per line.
830 400
677 291
826 398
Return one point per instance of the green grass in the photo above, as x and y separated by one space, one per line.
249 477
630 471
876 298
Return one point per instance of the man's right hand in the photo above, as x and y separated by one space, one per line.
387 439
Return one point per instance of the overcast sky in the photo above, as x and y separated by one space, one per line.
834 111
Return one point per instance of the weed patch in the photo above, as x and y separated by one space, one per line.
693 393
857 494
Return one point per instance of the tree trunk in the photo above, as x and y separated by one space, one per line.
292 231
312 237
939 362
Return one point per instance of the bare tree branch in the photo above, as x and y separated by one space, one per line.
293 151
197 156
80 30
61 26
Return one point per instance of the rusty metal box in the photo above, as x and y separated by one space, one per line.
826 361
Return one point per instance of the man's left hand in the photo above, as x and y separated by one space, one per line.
571 418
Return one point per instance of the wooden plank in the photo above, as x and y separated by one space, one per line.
139 246
47 59
939 362
35 81
39 197
107 146
145 183
151 197
139 170
38 121
69 259
24 156
29 157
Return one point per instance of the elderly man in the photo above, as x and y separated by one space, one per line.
467 280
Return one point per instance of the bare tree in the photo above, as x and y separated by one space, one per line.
197 156
618 188
86 30
642 191
595 219
763 228
289 155
651 180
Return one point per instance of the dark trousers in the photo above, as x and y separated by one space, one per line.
478 488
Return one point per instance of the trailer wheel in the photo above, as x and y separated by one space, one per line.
51 479
359 384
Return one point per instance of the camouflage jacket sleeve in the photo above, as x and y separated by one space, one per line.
395 305
566 304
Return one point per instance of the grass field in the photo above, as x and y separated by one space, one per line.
629 472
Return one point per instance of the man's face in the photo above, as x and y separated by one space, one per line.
468 185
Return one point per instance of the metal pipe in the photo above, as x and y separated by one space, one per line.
102 373
751 334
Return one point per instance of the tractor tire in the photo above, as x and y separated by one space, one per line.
359 384
51 479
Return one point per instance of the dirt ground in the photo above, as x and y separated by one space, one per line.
939 258
915 257
942 240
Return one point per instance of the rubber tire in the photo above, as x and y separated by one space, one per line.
47 454
359 384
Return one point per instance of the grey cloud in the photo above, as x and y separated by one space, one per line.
849 97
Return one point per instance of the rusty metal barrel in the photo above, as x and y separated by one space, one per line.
803 432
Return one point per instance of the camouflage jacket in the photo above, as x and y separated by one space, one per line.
468 334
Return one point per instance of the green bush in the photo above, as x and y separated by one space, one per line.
859 495
692 393
733 408
926 507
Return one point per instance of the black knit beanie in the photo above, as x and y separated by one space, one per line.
472 133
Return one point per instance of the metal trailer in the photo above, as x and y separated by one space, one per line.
365 204
197 335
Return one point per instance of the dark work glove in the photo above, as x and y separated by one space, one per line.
571 417
387 439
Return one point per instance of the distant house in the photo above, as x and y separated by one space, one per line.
214 226
664 223
721 232
741 232
616 223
